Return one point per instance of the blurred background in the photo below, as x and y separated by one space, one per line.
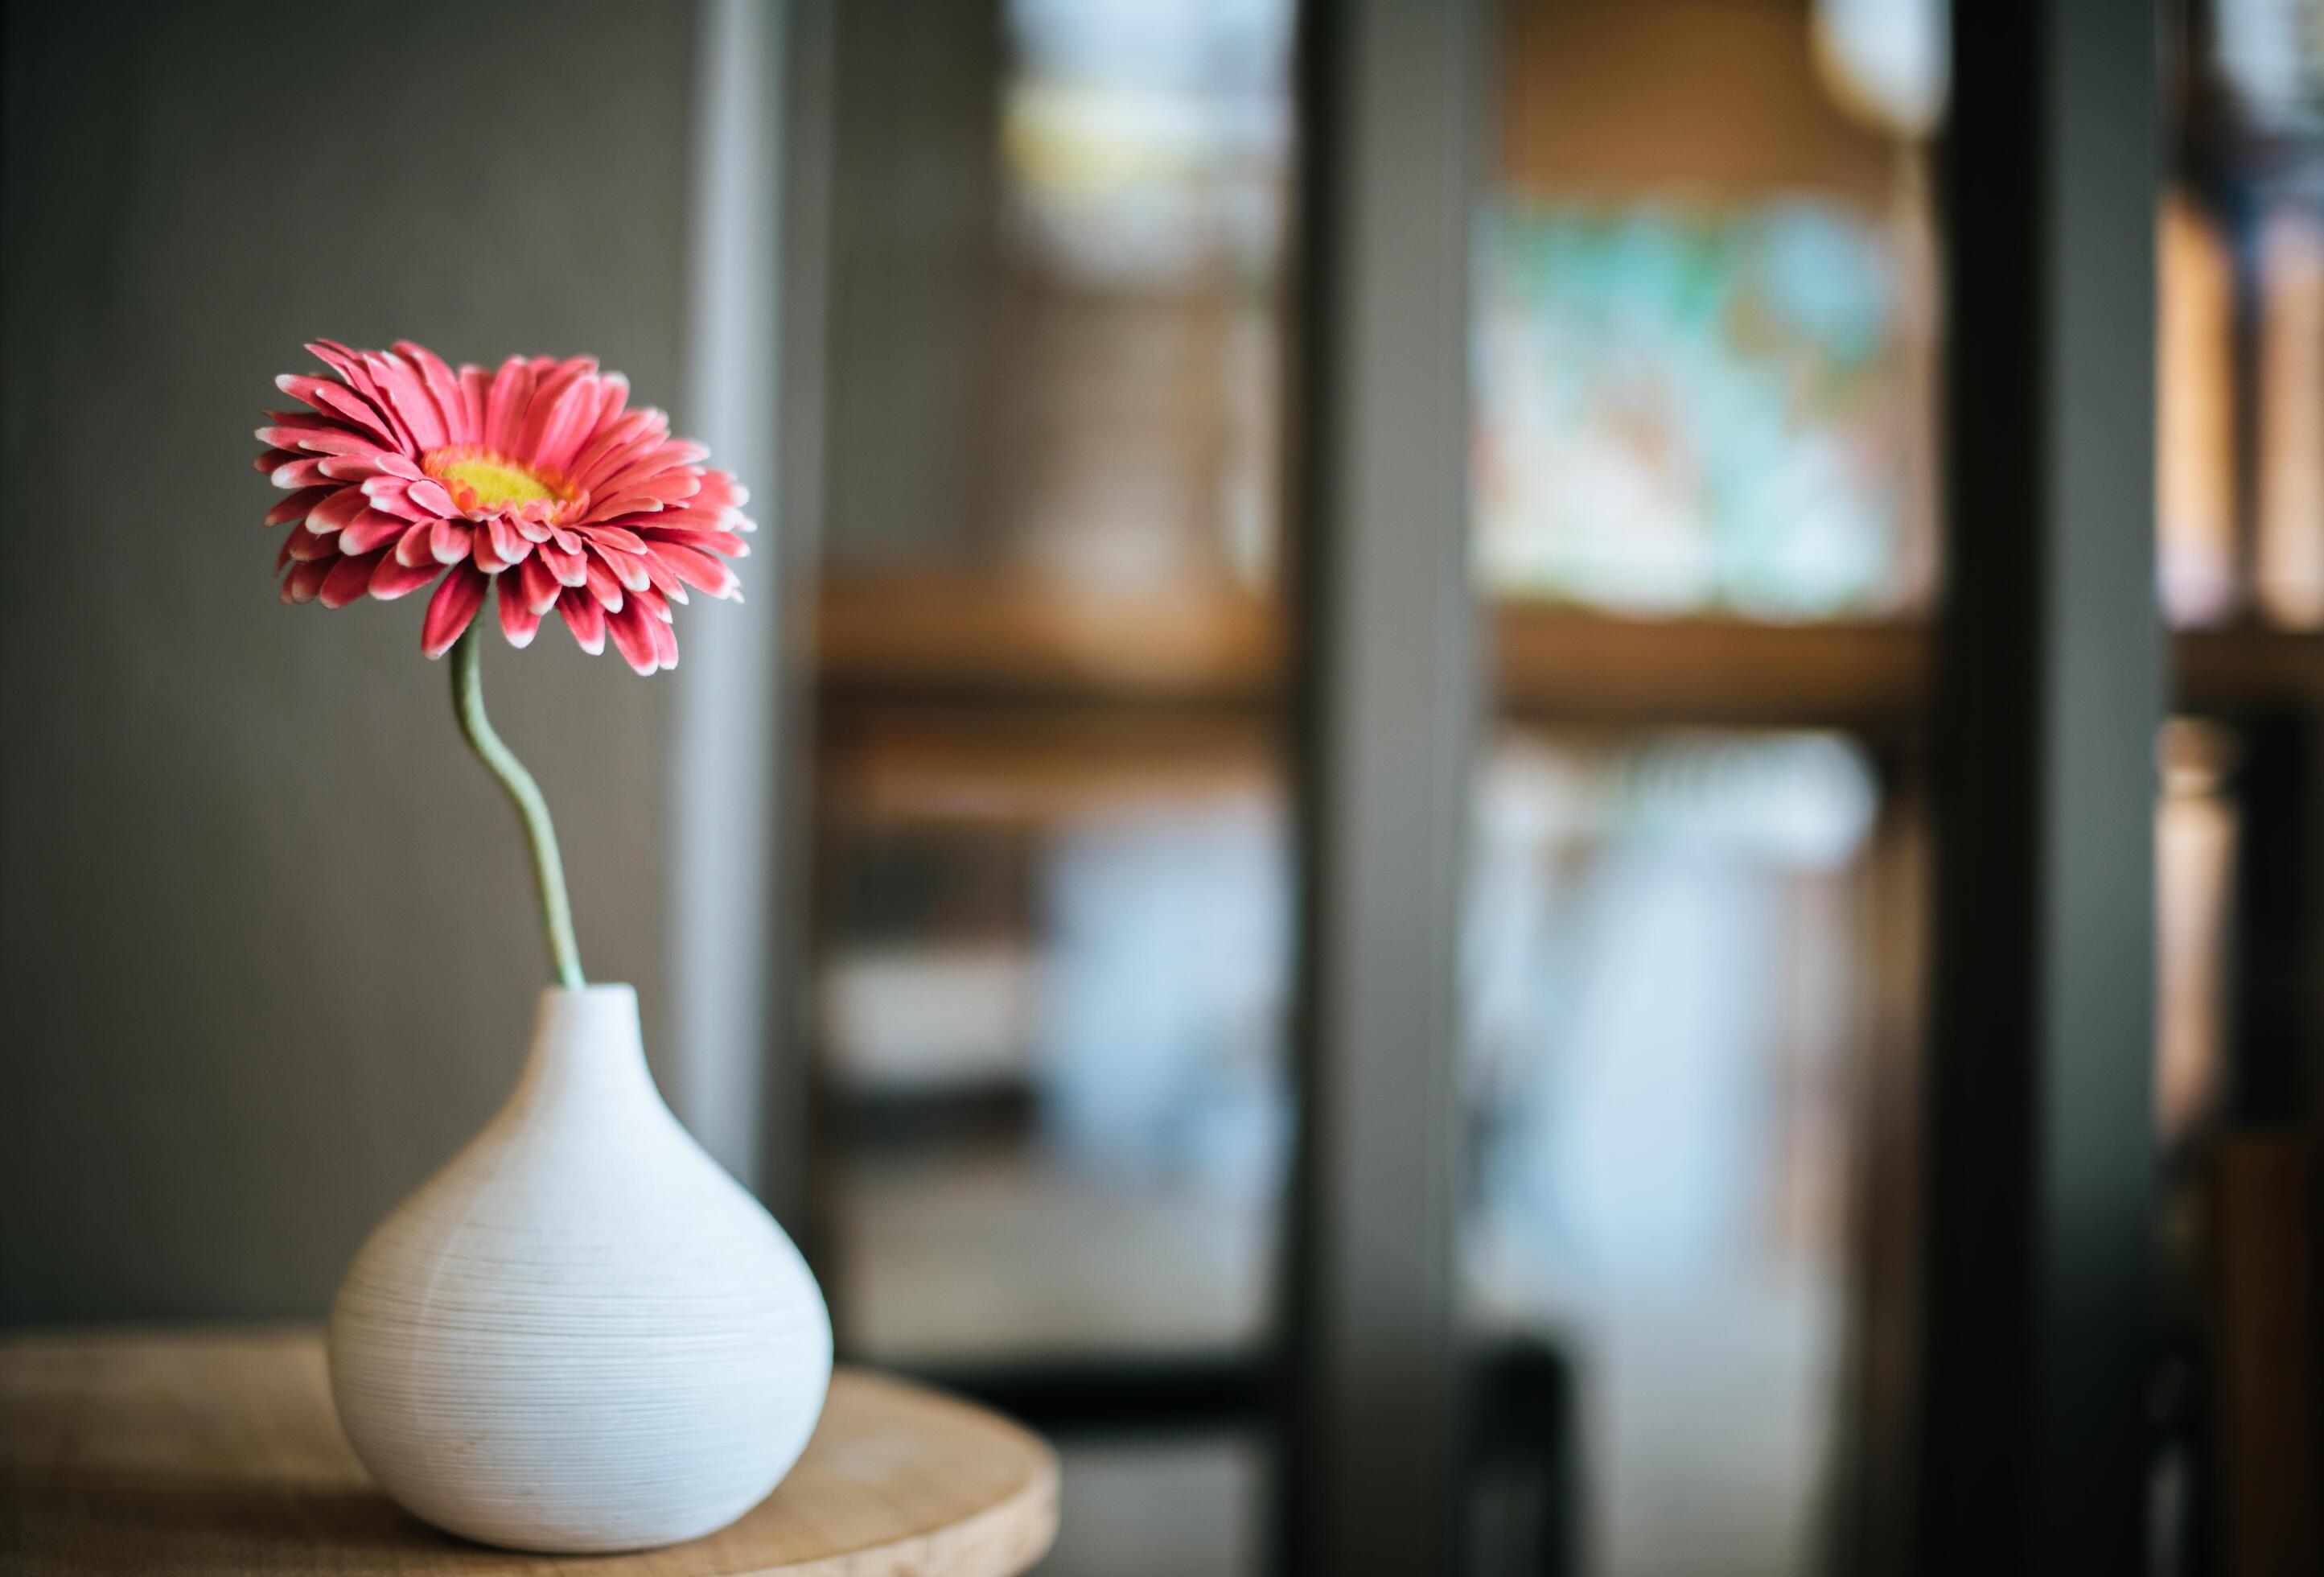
957 869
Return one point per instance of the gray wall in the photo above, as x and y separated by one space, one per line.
266 944
919 316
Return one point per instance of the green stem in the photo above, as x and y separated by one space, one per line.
547 869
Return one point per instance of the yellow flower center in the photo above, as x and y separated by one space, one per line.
478 479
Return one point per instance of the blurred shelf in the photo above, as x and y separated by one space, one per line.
1034 755
940 642
934 646
1557 665
941 648
2248 668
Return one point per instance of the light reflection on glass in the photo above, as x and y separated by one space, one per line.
2290 417
1146 144
2195 415
2197 829
1146 165
1680 410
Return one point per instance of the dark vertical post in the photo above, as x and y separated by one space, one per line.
802 313
2274 931
2041 1194
1387 683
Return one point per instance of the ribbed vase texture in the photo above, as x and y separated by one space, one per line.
581 1335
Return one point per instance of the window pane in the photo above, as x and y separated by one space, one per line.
1669 934
2241 485
1051 930
1703 313
1052 1021
1052 936
2240 346
1705 335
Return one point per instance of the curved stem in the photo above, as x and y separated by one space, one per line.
547 869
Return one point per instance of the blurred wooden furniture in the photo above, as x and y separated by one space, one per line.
910 649
2268 1450
217 1452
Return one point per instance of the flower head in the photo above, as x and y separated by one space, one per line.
536 481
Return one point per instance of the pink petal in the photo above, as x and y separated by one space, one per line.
620 539
509 545
552 429
585 618
505 405
455 603
628 568
632 637
371 529
486 549
476 391
307 472
350 577
604 586
542 589
395 578
518 623
615 445
297 506
408 398
443 387
570 568
687 516
417 547
670 487
305 579
450 542
665 643
665 584
613 394
360 369
306 547
339 441
338 511
648 494
314 434
431 495
725 542
649 461
392 495
721 491
337 400
699 570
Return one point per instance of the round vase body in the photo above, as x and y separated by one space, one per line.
581 1335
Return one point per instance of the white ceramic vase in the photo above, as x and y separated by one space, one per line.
581 1335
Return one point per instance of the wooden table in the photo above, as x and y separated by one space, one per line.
216 1452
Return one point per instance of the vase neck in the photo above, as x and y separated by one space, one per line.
587 1045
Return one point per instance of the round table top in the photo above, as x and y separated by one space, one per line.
215 1450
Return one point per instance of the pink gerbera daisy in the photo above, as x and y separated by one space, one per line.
536 479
